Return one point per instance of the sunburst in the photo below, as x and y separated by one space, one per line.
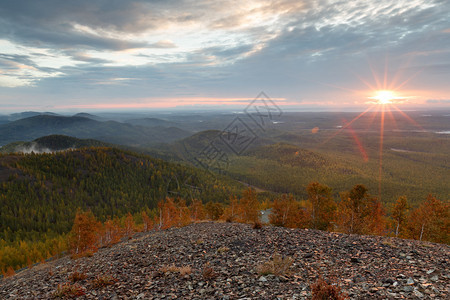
384 99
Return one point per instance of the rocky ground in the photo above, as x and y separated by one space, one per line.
222 261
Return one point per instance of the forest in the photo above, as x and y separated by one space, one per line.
412 164
81 200
40 193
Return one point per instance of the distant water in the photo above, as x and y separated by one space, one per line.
400 150
443 132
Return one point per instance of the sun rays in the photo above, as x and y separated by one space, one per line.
383 98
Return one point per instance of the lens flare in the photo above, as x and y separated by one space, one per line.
385 97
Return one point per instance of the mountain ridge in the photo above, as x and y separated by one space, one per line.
81 127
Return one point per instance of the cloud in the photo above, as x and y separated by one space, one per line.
163 44
299 49
84 57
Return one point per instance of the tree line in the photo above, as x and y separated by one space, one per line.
114 193
356 212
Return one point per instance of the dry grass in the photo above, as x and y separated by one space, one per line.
223 249
279 265
184 270
322 290
103 280
171 269
208 272
68 290
77 276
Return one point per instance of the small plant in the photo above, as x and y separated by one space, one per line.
77 276
277 266
68 290
103 280
171 269
185 270
9 272
199 242
257 225
388 243
322 290
208 272
223 249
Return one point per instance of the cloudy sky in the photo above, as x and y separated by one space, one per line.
86 54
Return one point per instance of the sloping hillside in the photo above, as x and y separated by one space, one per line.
45 190
52 143
225 261
110 131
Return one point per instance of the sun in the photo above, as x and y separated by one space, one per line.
385 97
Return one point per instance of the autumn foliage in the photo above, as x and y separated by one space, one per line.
399 214
430 221
173 213
111 232
84 233
357 212
286 211
249 207
322 206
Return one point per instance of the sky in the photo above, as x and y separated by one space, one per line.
89 55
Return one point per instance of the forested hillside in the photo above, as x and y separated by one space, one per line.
109 131
52 143
41 193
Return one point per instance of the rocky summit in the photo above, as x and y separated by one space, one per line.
235 261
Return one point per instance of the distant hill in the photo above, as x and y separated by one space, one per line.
289 154
89 116
52 143
81 127
189 148
29 114
152 122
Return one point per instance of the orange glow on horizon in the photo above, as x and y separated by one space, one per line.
170 103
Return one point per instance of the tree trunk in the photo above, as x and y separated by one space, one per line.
396 229
421 232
